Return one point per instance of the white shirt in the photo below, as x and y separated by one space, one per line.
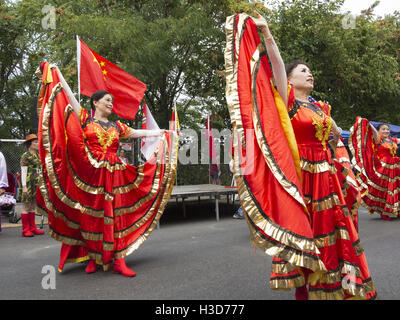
3 172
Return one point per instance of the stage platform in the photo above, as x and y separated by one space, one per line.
203 190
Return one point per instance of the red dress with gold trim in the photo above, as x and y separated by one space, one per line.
378 169
98 206
287 182
334 230
347 179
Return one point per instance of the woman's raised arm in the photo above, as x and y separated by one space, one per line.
278 66
375 133
74 103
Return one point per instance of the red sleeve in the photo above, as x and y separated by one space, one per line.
83 116
291 98
125 130
326 108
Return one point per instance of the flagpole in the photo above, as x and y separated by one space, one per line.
176 132
78 59
209 146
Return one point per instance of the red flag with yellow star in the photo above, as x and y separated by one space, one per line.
97 73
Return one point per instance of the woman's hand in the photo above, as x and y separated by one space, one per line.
261 23
24 190
2 191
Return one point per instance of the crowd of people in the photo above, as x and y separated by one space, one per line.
101 208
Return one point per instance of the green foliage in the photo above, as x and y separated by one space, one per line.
173 46
356 69
21 48
177 48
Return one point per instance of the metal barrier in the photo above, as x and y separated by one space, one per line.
12 150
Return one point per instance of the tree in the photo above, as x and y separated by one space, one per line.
355 70
20 48
175 47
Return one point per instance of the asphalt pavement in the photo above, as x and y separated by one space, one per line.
192 258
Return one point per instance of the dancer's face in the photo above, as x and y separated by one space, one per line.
301 78
104 105
384 131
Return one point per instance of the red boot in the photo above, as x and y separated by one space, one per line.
32 224
91 267
301 293
385 217
120 267
26 227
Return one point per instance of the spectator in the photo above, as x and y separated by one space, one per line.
3 178
30 169
122 156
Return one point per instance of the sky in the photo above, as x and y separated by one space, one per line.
385 7
355 6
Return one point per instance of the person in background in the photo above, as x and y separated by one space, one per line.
122 155
3 178
376 163
3 174
30 170
215 173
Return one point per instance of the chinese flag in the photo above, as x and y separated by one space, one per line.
97 73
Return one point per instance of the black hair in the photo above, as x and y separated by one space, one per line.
291 66
96 96
381 125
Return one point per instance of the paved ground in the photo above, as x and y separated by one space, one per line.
195 258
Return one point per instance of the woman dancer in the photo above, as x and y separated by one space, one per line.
30 169
344 273
375 159
99 207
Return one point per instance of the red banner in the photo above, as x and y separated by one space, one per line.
97 73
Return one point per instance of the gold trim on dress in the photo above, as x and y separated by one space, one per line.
330 238
288 242
286 282
317 167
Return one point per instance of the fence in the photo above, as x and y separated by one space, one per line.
187 174
12 151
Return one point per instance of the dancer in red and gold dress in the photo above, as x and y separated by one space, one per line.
301 220
99 207
378 167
